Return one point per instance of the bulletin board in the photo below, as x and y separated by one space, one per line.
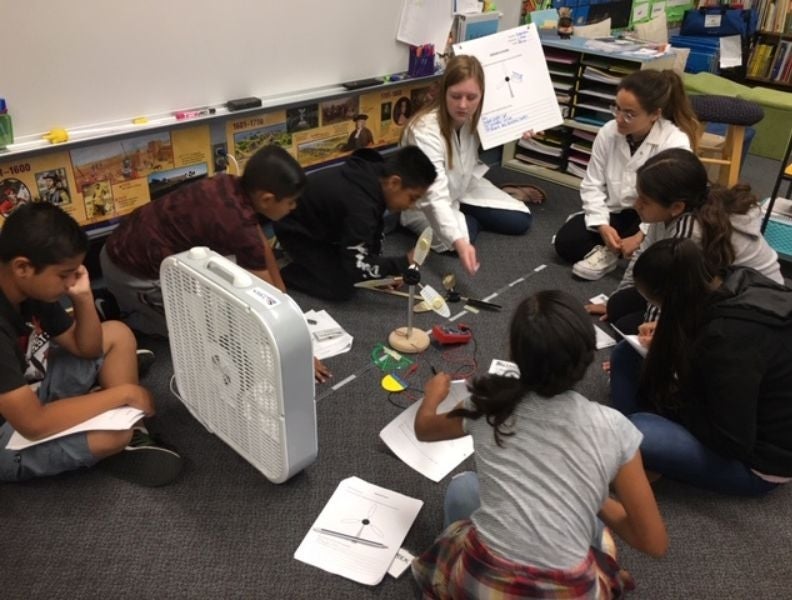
78 64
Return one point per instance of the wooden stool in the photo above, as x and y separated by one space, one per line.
737 114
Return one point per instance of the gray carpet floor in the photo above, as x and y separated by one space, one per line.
224 531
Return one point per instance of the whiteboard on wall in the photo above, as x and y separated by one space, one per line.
87 62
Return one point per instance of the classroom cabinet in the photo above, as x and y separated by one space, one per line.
585 80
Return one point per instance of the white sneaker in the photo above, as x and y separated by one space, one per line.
599 262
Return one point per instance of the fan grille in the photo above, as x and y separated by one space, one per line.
227 369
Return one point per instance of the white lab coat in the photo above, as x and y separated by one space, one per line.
609 184
464 184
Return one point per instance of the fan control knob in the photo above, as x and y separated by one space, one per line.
198 252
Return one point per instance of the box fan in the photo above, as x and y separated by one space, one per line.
242 360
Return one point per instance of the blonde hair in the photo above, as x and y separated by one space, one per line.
459 68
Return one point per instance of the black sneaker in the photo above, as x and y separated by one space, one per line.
145 359
145 461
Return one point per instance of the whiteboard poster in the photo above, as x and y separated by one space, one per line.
426 22
519 93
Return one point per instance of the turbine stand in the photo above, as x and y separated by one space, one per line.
409 340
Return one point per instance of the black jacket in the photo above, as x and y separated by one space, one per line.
344 207
740 403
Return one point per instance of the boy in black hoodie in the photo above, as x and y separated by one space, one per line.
334 236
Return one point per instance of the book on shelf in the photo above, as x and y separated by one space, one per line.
535 160
606 94
782 54
563 98
594 106
760 64
594 74
584 135
564 86
555 137
591 120
576 170
580 159
558 57
579 147
558 73
540 147
609 66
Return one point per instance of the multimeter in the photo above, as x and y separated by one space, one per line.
447 334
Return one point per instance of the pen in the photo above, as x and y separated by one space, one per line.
191 114
351 538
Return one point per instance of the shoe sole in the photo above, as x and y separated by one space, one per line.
588 276
146 466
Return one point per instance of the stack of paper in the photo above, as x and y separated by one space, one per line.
359 531
327 336
434 460
115 419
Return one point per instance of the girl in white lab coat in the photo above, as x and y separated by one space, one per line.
652 113
461 202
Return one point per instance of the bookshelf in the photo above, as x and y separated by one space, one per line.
585 83
770 61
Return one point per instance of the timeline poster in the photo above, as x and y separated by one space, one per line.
45 178
192 146
112 177
248 134
322 144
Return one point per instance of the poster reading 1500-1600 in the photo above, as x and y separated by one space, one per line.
99 183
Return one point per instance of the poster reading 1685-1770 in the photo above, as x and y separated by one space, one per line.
99 183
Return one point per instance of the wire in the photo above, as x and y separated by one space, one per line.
234 162
172 387
468 365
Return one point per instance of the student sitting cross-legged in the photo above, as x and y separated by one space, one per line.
529 523
334 237
651 113
50 361
713 398
675 200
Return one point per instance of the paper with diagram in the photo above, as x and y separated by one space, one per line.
359 531
519 93
434 460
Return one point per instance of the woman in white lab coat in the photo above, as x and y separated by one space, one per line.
461 202
652 113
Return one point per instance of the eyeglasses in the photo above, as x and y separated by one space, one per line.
625 114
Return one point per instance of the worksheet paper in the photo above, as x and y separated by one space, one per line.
366 511
115 419
519 94
328 338
434 460
426 22
633 341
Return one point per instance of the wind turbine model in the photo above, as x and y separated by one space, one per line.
408 339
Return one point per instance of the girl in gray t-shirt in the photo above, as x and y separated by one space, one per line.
529 520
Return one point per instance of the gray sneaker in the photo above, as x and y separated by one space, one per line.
597 263
145 461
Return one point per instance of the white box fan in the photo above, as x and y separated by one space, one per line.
243 362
